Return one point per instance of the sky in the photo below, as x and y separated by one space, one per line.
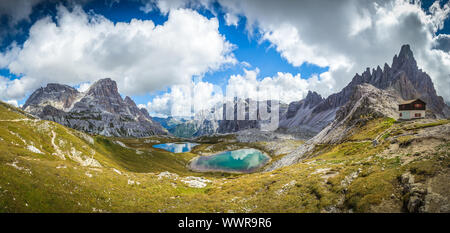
181 56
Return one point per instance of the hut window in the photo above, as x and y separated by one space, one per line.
417 105
400 114
417 115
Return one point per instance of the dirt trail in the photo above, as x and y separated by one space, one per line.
18 120
58 151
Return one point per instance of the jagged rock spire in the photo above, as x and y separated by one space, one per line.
312 98
405 59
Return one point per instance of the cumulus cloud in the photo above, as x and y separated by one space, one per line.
231 19
349 35
82 47
13 103
84 86
186 100
18 10
165 6
442 42
282 86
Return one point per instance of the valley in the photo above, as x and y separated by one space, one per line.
47 167
66 150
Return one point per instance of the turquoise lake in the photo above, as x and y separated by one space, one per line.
243 160
176 147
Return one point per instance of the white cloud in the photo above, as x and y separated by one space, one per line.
231 19
348 35
13 103
17 10
165 6
84 86
14 89
81 47
185 100
283 86
4 91
147 7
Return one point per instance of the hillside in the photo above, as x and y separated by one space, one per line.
46 167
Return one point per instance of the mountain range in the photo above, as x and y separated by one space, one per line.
215 121
358 157
99 110
367 97
403 79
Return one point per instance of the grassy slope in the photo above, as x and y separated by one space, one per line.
33 182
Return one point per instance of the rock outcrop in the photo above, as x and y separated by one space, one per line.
100 110
301 120
366 103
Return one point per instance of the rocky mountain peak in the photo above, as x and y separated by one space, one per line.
104 88
103 95
145 113
405 59
58 87
129 101
403 79
56 95
100 110
313 98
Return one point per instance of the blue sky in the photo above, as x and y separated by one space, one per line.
248 48
268 56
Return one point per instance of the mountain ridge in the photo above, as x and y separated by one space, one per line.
99 110
369 96
403 77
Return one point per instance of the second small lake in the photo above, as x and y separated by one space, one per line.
176 147
242 161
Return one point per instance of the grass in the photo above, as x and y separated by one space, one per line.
426 125
127 180
143 158
372 129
